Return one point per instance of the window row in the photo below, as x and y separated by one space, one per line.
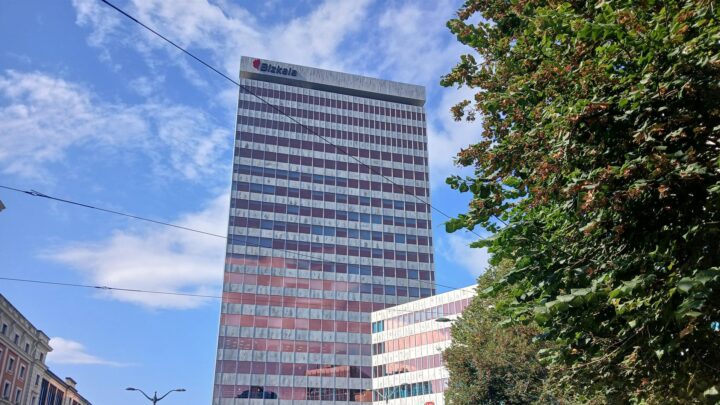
247 151
296 393
296 369
316 115
317 284
407 366
407 342
342 198
385 186
328 213
410 390
324 116
320 230
340 104
294 323
9 366
330 249
450 308
292 346
7 331
50 394
310 303
6 393
377 152
256 261
327 133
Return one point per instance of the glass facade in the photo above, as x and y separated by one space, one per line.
408 341
316 240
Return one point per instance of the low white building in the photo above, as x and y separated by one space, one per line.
407 345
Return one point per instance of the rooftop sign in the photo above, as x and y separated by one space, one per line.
270 68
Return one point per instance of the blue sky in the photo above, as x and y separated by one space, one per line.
95 110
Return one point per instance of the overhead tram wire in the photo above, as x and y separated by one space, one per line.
140 291
39 194
35 193
107 288
279 111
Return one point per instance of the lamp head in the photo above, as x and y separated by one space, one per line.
130 389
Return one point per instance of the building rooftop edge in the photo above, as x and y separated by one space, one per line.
298 75
19 315
412 305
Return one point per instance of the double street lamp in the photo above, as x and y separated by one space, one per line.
154 399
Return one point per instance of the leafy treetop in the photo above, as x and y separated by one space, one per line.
599 151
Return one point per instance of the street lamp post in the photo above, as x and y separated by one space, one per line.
154 399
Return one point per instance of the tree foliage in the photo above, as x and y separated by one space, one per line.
598 174
490 362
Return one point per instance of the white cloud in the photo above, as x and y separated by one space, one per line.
315 39
224 31
446 137
66 351
43 118
91 12
415 46
146 86
157 258
456 249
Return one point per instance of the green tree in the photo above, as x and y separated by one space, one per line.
490 362
598 173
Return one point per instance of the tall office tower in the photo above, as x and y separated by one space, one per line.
329 221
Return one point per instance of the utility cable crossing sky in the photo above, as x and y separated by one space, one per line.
157 222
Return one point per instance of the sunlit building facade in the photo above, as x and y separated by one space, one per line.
25 378
329 221
407 345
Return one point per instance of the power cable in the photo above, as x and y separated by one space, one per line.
278 110
34 193
107 288
142 291
39 194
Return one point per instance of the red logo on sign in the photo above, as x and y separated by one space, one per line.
256 64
